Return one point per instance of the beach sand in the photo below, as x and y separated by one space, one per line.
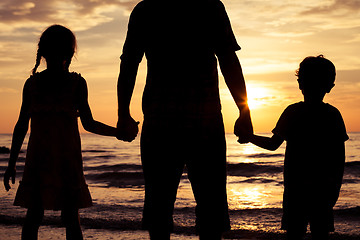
13 232
48 232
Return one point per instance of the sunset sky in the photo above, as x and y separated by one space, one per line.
275 35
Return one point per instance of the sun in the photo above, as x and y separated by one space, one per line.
256 95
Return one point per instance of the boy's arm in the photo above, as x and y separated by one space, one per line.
234 78
87 119
268 143
338 171
19 134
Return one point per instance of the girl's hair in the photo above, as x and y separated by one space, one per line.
56 42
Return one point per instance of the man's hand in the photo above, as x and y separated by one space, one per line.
127 129
243 126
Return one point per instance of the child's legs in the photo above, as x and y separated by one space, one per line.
32 223
319 235
294 221
293 234
71 220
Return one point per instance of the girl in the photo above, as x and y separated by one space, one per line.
53 175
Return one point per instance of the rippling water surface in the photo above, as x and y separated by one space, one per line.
255 184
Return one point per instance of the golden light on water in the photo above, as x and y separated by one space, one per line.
248 150
248 197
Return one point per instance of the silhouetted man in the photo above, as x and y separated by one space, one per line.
183 124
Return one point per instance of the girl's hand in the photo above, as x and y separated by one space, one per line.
9 173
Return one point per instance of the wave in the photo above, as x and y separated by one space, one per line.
350 180
352 168
119 179
265 155
257 155
252 169
6 159
116 167
4 150
95 151
131 175
258 180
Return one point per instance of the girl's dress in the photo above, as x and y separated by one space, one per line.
53 176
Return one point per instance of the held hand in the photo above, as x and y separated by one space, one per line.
243 139
9 173
127 129
243 126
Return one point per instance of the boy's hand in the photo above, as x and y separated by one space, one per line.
9 173
244 139
127 129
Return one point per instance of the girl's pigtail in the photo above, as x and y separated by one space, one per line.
38 60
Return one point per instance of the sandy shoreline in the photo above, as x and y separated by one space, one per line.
130 229
49 232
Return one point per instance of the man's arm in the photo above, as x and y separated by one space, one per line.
234 78
127 126
130 60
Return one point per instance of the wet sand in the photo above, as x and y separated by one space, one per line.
49 232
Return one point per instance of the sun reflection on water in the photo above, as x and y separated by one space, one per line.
244 153
253 197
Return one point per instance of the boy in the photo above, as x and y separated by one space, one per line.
315 153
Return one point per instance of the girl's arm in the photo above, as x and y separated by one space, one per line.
268 143
19 134
87 119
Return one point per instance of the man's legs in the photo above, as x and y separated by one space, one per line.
162 169
207 174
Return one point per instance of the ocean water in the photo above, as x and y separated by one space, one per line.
255 185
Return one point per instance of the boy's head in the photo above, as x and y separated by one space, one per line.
316 76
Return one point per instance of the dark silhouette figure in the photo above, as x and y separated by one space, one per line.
315 133
183 126
53 176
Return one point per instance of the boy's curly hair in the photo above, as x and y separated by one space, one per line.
317 71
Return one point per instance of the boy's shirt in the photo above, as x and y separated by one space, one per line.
311 122
315 138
